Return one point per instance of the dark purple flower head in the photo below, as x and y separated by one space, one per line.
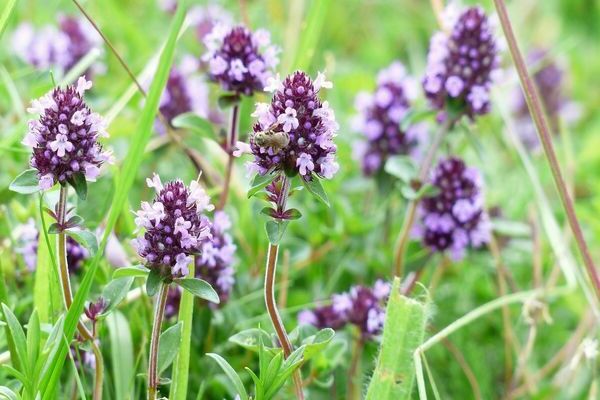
460 65
93 310
362 307
215 262
59 49
174 226
379 119
76 255
239 60
455 218
64 138
295 132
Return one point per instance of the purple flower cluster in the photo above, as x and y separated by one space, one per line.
65 137
215 262
295 132
59 49
361 306
455 218
174 226
460 65
379 119
239 60
28 235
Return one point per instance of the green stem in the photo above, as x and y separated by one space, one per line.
68 293
231 140
539 118
159 313
411 208
354 370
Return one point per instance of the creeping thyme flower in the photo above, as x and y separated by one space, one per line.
239 60
362 307
295 132
174 226
94 309
379 119
29 236
460 65
64 138
59 49
215 262
455 218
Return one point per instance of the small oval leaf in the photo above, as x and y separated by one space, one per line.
199 288
26 183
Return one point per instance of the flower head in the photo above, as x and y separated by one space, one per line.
174 226
455 218
460 65
64 138
295 132
379 118
241 61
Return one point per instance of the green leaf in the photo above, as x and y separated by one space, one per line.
402 167
260 182
54 229
193 122
231 374
26 183
404 330
121 352
315 188
292 363
199 288
19 355
115 292
228 100
250 338
415 116
275 230
33 338
311 34
124 181
79 183
268 376
168 345
153 282
8 9
6 393
85 238
181 364
317 343
293 213
134 271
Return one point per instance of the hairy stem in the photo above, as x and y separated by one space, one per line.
411 208
159 313
63 270
231 140
354 370
537 114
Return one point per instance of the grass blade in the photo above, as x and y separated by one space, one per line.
123 184
121 351
231 374
8 9
311 33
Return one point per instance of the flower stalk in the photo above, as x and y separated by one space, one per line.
159 313
68 293
230 145
542 127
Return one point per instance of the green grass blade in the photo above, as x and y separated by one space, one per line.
8 9
311 33
19 355
123 184
121 351
404 330
231 374
181 364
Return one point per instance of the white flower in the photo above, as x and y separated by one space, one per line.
198 195
237 69
256 68
155 183
38 106
454 86
305 163
342 303
31 139
79 117
91 172
181 265
217 65
181 225
322 82
83 85
288 119
155 212
241 148
273 84
97 124
262 37
47 181
478 97
329 167
264 115
188 241
61 145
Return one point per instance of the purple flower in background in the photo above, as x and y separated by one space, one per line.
361 306
215 262
239 60
29 236
64 138
455 218
173 300
379 119
460 65
174 226
295 132
59 49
